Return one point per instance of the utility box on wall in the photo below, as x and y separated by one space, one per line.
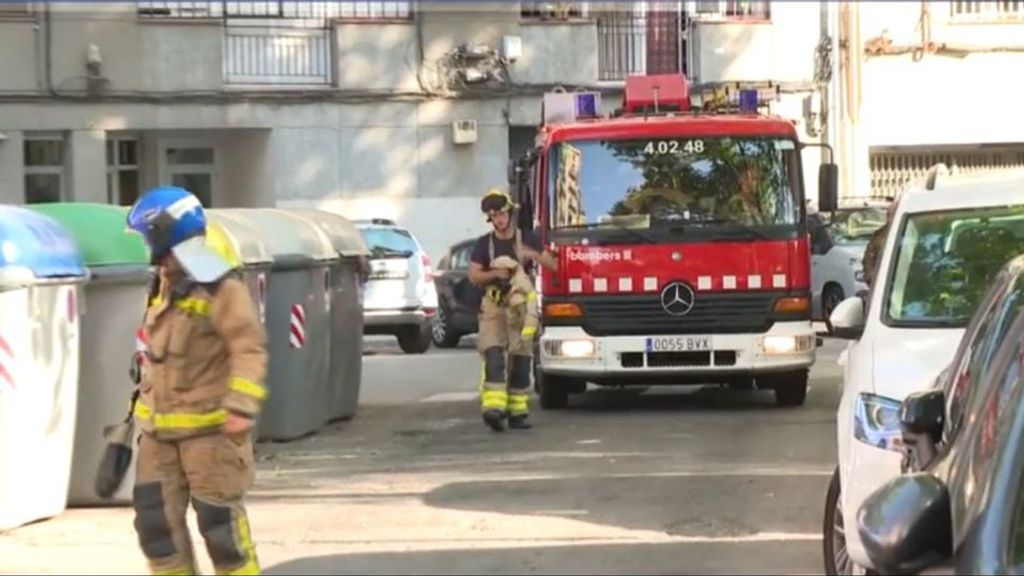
464 131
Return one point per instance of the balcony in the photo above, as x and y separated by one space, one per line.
277 43
651 37
987 12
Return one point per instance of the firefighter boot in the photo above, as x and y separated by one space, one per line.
495 419
519 422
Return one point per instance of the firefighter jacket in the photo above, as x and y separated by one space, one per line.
520 292
206 357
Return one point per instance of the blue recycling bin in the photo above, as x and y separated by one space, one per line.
41 278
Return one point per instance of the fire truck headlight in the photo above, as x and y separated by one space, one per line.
570 348
777 345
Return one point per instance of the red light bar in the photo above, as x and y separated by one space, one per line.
659 92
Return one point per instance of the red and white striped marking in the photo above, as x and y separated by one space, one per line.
727 282
261 297
6 364
297 338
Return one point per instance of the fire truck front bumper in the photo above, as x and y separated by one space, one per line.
570 351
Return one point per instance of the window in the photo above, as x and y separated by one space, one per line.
122 171
733 9
553 10
277 10
15 9
460 260
945 261
389 242
44 168
855 227
680 188
645 38
982 12
193 168
979 346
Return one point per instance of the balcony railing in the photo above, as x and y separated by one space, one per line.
277 43
1006 11
277 56
642 40
278 10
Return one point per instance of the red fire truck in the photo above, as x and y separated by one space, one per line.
682 243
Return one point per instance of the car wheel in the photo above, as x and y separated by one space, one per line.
790 389
414 339
441 331
831 297
837 560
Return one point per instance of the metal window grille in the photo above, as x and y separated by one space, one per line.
893 170
646 39
987 11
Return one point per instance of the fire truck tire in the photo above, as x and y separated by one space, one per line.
553 390
791 388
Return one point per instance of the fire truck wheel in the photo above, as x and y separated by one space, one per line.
791 388
553 390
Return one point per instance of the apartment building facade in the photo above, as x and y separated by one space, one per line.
924 82
393 109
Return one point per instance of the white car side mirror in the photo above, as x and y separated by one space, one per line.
848 319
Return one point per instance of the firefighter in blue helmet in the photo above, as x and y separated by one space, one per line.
200 391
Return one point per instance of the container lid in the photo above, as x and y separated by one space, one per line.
285 235
343 234
34 246
243 238
100 231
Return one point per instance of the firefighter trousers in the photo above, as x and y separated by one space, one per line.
214 472
507 358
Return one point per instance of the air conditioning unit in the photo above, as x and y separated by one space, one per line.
464 131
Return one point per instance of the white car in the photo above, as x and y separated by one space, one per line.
399 298
945 246
837 254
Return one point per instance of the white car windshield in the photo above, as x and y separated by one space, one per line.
853 227
945 261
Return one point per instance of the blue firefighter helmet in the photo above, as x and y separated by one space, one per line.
172 220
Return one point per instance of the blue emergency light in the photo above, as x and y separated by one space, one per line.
586 105
748 101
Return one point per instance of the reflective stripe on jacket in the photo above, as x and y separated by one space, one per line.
207 357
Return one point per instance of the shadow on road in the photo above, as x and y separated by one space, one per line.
715 505
582 558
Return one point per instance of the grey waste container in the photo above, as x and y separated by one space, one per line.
114 303
41 272
241 244
346 310
297 316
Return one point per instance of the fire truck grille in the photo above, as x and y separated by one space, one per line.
644 315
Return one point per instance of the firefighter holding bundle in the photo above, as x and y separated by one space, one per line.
502 262
200 391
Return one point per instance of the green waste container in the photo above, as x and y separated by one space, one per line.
298 331
114 305
346 322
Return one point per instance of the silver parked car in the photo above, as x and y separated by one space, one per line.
399 295
837 253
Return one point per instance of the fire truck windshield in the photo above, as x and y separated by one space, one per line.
689 186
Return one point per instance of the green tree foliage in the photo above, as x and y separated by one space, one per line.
950 283
706 183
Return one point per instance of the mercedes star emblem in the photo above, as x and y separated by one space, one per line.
677 299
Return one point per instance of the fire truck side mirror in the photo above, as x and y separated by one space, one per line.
828 187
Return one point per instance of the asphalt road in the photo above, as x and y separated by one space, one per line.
679 480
